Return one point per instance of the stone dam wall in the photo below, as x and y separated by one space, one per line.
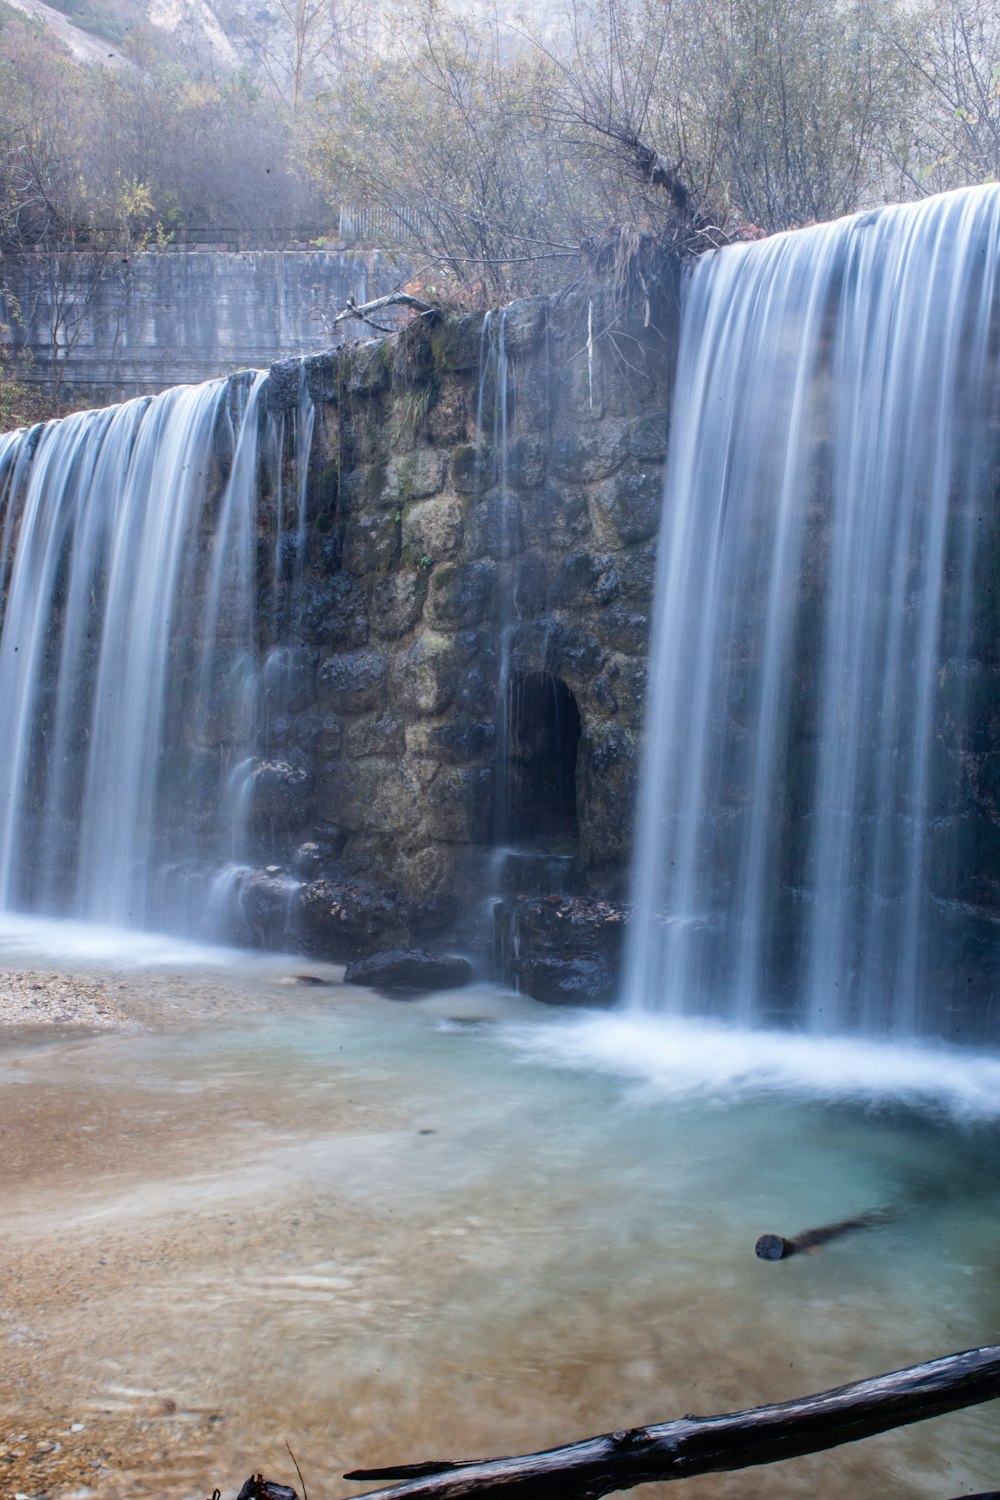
458 639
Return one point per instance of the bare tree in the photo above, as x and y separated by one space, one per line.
953 50
299 46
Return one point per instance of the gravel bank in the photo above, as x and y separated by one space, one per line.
30 997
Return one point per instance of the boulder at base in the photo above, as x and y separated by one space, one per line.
410 971
568 981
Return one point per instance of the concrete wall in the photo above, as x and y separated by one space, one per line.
162 318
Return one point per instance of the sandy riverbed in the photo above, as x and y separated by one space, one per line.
244 1210
31 997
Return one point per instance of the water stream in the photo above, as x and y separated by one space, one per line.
130 652
818 663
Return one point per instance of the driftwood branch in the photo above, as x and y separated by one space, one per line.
705 1445
364 310
776 1247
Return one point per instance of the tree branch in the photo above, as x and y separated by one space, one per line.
364 310
704 1445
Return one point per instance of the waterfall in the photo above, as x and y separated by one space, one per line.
129 654
823 632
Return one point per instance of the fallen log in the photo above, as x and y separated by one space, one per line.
776 1247
704 1445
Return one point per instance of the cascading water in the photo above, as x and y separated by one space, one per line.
129 656
817 644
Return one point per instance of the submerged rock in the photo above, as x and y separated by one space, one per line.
410 971
568 981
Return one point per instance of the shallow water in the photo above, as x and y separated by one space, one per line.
384 1231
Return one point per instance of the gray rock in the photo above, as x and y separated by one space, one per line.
594 454
410 971
584 580
424 677
288 681
397 603
354 681
568 981
270 902
461 594
634 500
415 476
280 796
524 324
334 612
460 806
381 735
457 342
344 919
371 544
494 527
466 468
309 859
432 530
283 385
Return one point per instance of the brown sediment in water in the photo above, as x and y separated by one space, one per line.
208 1252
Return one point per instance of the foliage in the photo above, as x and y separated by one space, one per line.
797 101
500 152
488 155
444 151
952 48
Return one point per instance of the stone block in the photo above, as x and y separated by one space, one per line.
460 741
625 630
584 580
527 463
456 342
465 468
630 504
375 734
460 806
607 776
647 437
414 476
461 595
432 530
596 453
288 680
556 518
378 795
524 323
425 677
354 681
574 654
397 603
493 527
371 544
333 610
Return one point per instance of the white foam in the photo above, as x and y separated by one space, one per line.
37 939
709 1062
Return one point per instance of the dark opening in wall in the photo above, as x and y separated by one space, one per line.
543 742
